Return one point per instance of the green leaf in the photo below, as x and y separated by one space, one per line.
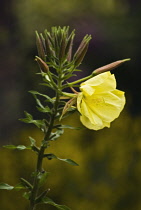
4 186
19 186
45 96
44 109
70 127
39 123
19 147
26 195
42 177
69 161
70 111
56 135
29 119
47 200
32 141
29 116
26 184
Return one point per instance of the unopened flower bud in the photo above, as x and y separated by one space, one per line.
109 67
48 44
82 45
68 50
40 46
62 48
81 56
43 66
82 49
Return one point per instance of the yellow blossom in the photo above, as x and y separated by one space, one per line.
99 102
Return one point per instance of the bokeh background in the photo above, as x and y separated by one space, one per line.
109 175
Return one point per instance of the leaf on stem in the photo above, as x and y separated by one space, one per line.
26 195
39 123
4 186
56 135
47 200
70 127
44 109
45 96
69 161
19 186
32 141
19 147
42 177
40 106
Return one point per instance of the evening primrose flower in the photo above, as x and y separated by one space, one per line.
99 102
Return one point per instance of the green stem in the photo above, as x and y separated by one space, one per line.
78 81
34 191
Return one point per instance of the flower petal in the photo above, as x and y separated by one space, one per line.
109 107
100 102
101 83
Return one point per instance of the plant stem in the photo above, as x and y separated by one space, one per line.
69 84
41 155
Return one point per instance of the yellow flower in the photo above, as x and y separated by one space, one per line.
99 102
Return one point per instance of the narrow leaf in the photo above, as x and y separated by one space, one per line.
42 177
44 109
4 186
47 200
26 195
25 183
45 96
69 161
56 135
19 186
19 147
32 141
70 127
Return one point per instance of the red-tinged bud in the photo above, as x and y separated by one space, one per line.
109 67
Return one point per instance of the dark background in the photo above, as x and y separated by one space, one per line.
108 177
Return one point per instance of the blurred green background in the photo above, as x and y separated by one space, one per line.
108 177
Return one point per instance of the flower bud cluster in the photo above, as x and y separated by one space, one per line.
55 47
